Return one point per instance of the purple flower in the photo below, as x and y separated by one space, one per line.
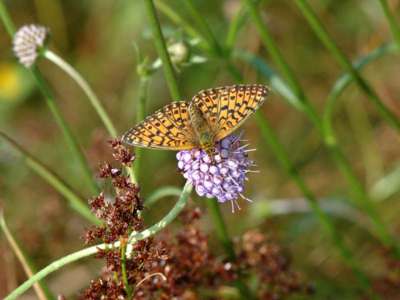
224 178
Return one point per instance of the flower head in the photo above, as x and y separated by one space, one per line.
28 40
224 178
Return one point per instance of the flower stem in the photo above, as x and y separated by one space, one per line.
206 30
127 288
41 289
140 115
223 237
74 200
94 100
135 237
66 130
220 228
176 18
5 18
162 50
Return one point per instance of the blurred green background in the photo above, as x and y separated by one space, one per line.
101 38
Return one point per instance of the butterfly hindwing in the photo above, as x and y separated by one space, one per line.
168 128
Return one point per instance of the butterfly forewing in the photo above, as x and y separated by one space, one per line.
226 108
208 103
168 128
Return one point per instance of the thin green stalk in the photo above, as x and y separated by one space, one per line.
162 50
330 44
220 228
67 68
223 237
94 100
5 18
394 26
234 27
206 31
161 193
360 196
127 288
364 201
177 19
216 47
362 133
135 237
66 130
274 51
345 80
140 115
74 200
45 90
41 289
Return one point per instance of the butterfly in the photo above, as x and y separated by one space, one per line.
210 116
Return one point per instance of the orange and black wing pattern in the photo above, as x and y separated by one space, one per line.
226 108
168 128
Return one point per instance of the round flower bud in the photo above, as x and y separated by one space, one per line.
27 43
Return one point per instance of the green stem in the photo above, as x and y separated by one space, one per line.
234 27
135 237
67 68
66 130
5 18
329 43
220 228
45 90
161 193
345 80
178 20
41 289
162 50
94 100
207 33
140 115
274 51
223 237
74 200
394 26
128 289
213 43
